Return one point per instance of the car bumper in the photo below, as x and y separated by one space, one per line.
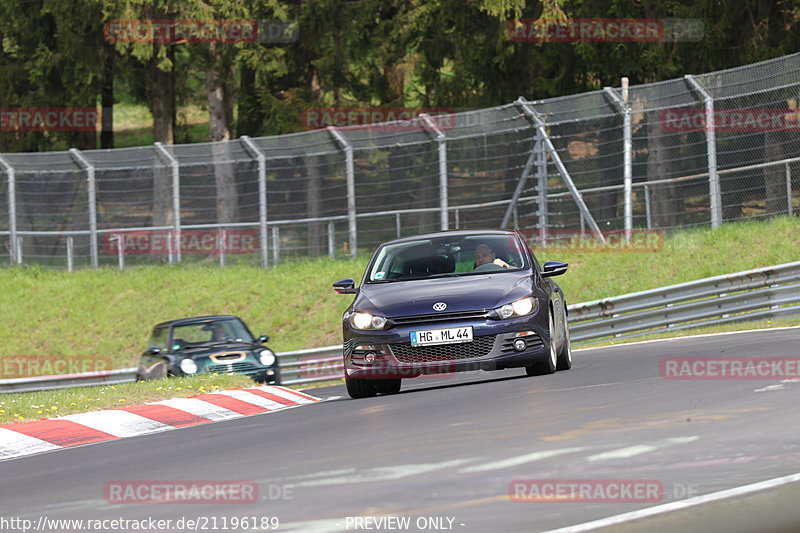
492 348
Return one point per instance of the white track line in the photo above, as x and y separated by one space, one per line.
519 460
679 505
639 449
782 328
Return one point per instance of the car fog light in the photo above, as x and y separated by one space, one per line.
369 358
520 345
270 372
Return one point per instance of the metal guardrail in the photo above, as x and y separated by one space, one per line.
768 292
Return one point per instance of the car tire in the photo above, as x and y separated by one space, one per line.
565 352
360 388
548 366
387 386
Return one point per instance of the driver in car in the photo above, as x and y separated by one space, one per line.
486 260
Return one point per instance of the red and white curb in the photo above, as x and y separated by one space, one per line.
26 438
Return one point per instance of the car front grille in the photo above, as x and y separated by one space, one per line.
233 368
439 317
479 347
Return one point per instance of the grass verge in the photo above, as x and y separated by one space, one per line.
108 313
50 404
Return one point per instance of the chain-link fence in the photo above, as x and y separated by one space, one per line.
701 150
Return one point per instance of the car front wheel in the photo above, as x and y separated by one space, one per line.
565 352
547 366
387 386
360 388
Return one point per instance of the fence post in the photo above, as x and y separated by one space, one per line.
176 201
627 152
647 207
397 224
714 193
526 170
253 148
441 139
541 185
81 161
351 188
562 169
12 210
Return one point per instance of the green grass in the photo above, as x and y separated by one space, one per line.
107 313
51 404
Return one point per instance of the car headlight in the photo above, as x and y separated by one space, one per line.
367 321
521 307
188 366
267 357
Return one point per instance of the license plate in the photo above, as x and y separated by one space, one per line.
441 336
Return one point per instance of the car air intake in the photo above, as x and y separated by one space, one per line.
479 347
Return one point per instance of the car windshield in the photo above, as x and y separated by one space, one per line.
447 256
210 332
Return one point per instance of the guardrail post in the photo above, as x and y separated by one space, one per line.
253 148
222 245
562 169
84 163
12 210
627 152
714 193
276 245
175 243
120 251
70 252
441 139
351 188
331 239
789 206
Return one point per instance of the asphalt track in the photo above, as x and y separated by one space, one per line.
446 450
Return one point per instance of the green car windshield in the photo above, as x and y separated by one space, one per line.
445 257
210 332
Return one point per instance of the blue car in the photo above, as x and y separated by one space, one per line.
451 302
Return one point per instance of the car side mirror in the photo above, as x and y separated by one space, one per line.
263 338
345 286
153 350
554 268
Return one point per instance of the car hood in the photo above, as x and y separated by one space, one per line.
204 352
465 293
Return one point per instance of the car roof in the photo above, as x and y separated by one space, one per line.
453 233
195 320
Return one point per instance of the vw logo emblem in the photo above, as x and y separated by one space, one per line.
439 306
